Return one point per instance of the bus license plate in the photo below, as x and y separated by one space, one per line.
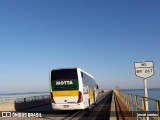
66 106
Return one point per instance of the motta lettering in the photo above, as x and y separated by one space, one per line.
64 83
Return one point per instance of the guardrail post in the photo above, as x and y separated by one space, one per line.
128 101
144 107
158 108
25 100
3 99
131 102
132 106
136 103
143 104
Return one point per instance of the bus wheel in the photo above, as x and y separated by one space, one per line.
89 103
95 102
88 108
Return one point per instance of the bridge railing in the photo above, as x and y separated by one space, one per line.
7 100
13 103
32 98
137 104
10 100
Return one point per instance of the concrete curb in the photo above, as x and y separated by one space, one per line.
113 111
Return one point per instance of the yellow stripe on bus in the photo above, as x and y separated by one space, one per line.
91 96
65 93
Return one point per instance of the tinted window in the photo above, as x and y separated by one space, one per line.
64 74
88 80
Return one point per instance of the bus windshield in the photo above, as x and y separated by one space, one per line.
64 79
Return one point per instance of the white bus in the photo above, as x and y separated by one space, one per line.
71 89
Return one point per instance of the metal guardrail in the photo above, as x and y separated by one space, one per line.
32 98
137 104
23 102
7 100
11 100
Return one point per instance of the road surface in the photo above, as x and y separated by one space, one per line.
99 111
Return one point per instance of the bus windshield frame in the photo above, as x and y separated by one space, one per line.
64 79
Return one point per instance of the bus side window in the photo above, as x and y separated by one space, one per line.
97 86
85 89
82 74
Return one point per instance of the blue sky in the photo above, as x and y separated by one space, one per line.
104 38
